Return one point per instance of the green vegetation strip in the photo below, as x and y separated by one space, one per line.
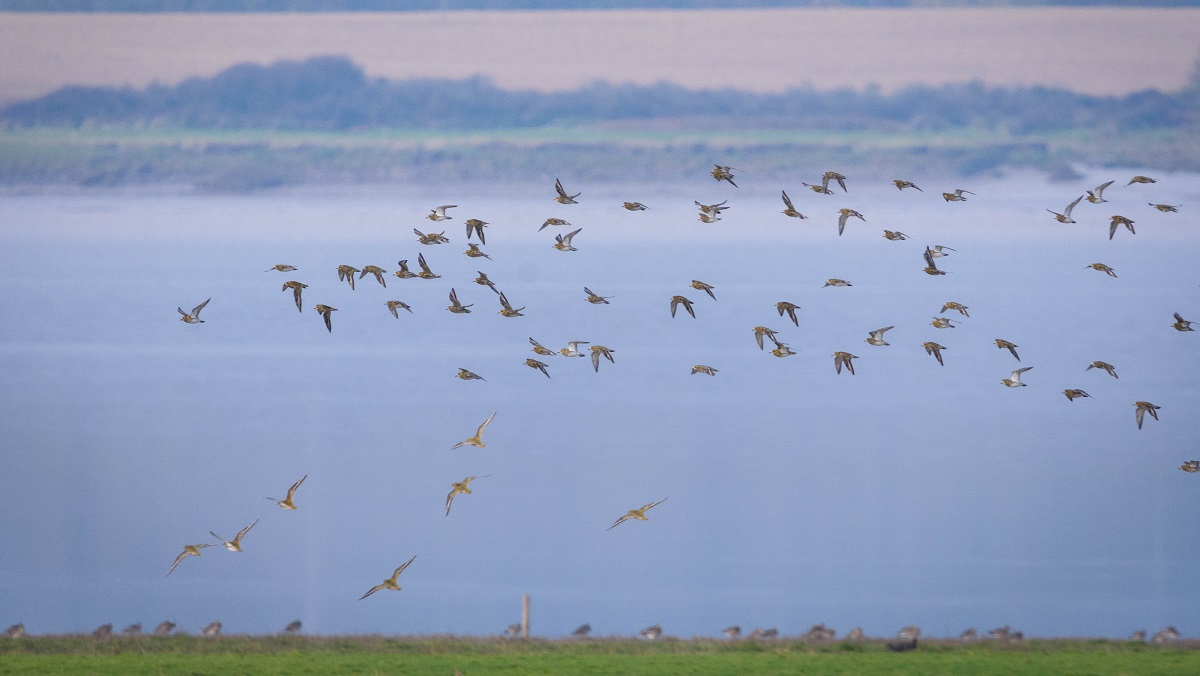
370 655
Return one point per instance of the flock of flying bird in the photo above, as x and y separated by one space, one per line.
708 213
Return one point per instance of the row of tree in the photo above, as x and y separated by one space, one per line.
333 93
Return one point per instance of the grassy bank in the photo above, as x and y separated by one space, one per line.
244 160
302 655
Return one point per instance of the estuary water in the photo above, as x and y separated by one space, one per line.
908 493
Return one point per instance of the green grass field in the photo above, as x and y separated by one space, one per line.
445 655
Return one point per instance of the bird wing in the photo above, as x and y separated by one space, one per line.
596 360
653 504
504 302
292 491
1071 206
179 558
245 530
479 432
196 310
787 201
372 590
567 238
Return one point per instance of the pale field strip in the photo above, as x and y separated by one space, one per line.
1094 50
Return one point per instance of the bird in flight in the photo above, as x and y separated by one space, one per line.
1104 366
554 222
722 173
1141 179
760 332
296 288
563 197
1073 394
706 370
956 196
192 317
1096 196
1103 268
476 440
784 307
374 270
1144 407
476 226
845 215
483 280
572 348
234 545
676 301
1182 324
934 349
460 487
282 267
790 210
289 501
843 359
901 184
594 298
326 312
391 582
188 550
535 364
1006 345
706 288
541 349
639 514
392 305
1065 216
468 375
1014 380
563 242
635 206
1118 220
601 351
506 309
432 238
455 306
1165 208
474 251
404 272
346 274
425 272
951 305
876 337
439 213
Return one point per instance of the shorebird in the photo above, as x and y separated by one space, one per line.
600 351
467 375
711 213
474 252
876 337
460 488
724 174
289 501
951 305
1097 196
374 270
563 197
901 184
732 632
15 631
819 189
760 331
1014 380
935 350
404 272
1141 179
506 309
192 317
785 307
572 348
1119 220
956 196
942 323
1073 394
476 226
1166 208
706 288
234 545
293 627
1103 268
164 628
706 370
1006 345
1103 365
939 250
133 629
595 299
346 274
188 550
455 306
931 267
211 629
582 631
639 514
635 206
391 582
782 350
843 359
282 267
1144 407
539 349
1190 466
856 634
760 633
1065 216
483 280
790 210
836 282
651 633
296 288
833 176
676 301
431 238
512 630
845 215
326 312
552 221
1182 324
563 242
439 213
392 306
476 440
895 235
1165 635
535 364
426 273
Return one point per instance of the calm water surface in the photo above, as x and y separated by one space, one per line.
909 493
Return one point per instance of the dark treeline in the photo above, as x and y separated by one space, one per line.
447 5
332 93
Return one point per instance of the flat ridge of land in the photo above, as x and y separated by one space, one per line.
1109 51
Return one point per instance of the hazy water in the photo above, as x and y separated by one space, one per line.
909 493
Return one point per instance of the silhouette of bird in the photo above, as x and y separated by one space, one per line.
1014 380
293 627
164 628
563 197
651 633
326 312
192 317
1144 407
211 629
460 488
296 288
582 631
639 514
391 582
234 545
732 632
476 440
289 501
188 550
